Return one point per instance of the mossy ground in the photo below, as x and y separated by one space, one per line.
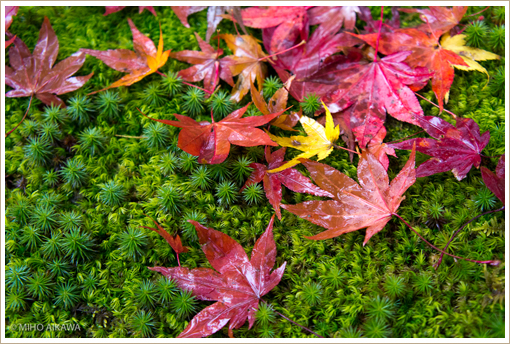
76 197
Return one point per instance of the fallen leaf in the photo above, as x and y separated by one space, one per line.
144 61
113 9
278 102
207 65
320 140
372 89
438 17
246 63
34 74
455 148
290 177
370 204
496 182
346 15
426 51
379 149
211 141
290 23
174 242
372 26
239 285
10 12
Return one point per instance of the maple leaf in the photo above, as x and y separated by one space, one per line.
290 177
211 141
370 204
438 17
290 23
144 61
496 182
426 51
346 15
277 103
379 149
372 25
34 74
113 9
246 63
174 242
207 65
10 12
371 89
239 285
456 148
320 140
215 15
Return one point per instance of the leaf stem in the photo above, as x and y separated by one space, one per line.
436 265
284 51
347 149
422 97
292 321
474 14
130 137
26 113
490 262
379 34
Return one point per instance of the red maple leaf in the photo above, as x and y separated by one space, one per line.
113 9
174 242
438 17
455 148
371 203
425 52
346 15
371 89
10 12
290 177
381 150
211 141
207 65
239 285
34 74
372 26
496 182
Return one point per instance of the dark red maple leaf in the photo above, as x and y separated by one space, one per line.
207 65
290 177
371 203
211 141
372 26
438 17
239 285
496 182
381 150
455 148
371 89
34 74
113 9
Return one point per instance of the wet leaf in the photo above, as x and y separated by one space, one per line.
237 284
496 182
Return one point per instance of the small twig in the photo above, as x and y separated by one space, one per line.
416 133
474 14
436 265
292 321
490 262
340 147
26 113
130 137
422 97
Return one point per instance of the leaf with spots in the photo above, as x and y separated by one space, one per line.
237 284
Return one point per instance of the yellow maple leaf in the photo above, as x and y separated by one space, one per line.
469 54
319 141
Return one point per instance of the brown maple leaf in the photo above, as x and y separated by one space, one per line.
370 204
144 61
34 74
